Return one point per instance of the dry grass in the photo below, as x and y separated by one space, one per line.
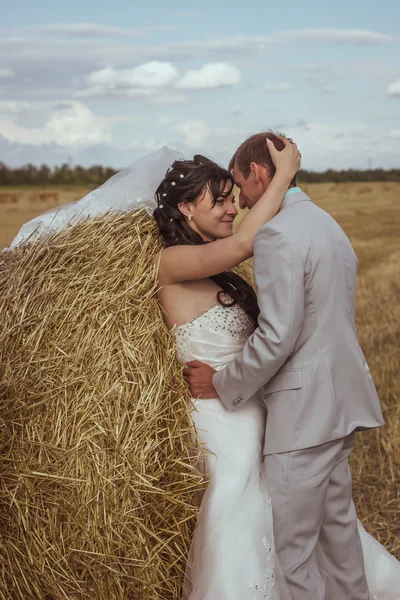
80 505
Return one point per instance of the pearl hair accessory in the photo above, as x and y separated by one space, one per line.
161 206
173 183
181 176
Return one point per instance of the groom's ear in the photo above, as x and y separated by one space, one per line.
255 171
260 174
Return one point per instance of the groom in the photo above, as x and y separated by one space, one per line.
318 389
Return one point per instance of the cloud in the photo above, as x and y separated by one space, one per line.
166 119
323 145
277 87
341 145
194 132
394 88
344 145
139 81
58 53
10 109
157 81
6 72
163 27
148 75
116 156
87 29
71 123
211 75
47 53
337 36
309 67
322 86
166 97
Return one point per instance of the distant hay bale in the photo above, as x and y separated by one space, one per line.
8 198
50 197
98 492
364 189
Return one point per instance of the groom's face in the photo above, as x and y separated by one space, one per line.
252 187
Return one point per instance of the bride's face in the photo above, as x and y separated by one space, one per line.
213 220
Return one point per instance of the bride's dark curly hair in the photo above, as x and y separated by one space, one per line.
185 181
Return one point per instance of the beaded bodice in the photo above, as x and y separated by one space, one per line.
215 337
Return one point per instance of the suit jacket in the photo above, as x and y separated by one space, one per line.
305 351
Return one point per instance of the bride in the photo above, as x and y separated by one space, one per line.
212 312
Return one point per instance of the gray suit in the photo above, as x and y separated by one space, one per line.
317 388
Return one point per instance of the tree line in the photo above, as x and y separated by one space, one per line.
64 175
96 175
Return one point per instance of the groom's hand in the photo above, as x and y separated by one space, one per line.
199 378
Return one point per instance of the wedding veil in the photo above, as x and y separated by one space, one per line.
130 189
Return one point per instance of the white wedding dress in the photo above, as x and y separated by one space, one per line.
232 555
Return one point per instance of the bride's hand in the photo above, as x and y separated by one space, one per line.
287 160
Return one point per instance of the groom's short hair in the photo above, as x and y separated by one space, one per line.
254 149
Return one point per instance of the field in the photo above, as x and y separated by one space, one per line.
19 205
369 213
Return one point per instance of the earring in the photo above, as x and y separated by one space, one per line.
190 217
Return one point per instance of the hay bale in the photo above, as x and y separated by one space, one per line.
98 489
8 198
47 197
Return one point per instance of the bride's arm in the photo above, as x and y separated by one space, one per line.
184 263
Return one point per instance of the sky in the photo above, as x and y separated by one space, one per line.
89 83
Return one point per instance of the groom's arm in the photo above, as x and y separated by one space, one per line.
279 276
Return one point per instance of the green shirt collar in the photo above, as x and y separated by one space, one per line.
292 190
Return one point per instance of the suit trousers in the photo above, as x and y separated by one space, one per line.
311 493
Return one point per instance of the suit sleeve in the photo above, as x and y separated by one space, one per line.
279 277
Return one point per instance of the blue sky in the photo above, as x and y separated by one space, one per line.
107 83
